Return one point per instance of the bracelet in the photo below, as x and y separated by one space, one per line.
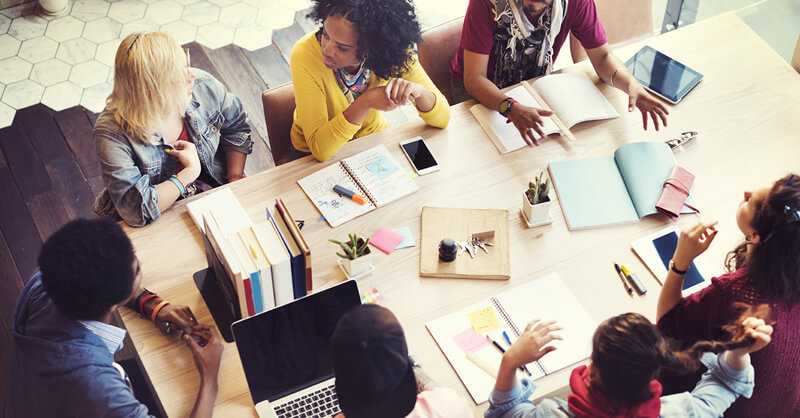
143 301
157 309
181 189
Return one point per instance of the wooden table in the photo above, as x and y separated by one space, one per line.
747 111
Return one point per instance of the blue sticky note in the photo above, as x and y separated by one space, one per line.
408 238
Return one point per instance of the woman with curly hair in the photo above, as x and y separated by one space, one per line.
361 61
765 269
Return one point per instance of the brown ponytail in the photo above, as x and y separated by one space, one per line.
628 352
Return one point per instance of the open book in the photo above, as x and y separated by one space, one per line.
476 360
613 190
572 98
373 173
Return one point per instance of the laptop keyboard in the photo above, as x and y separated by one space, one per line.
320 403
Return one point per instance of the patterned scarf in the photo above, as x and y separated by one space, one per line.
523 49
353 85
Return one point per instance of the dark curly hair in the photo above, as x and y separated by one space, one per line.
773 266
388 31
87 267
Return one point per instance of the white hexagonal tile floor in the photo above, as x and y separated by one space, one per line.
22 94
89 73
64 29
62 95
68 60
38 49
50 72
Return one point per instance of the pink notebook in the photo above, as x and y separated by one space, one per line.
385 240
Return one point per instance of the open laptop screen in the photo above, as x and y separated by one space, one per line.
287 349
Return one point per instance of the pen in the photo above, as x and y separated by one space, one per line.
349 193
506 337
624 282
503 351
634 279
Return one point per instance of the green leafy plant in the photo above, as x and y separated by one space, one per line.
353 248
538 189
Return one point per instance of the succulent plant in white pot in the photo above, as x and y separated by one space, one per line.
354 255
536 201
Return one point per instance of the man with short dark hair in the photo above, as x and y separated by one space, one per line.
504 42
63 363
375 377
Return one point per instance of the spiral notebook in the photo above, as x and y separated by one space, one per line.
373 173
546 298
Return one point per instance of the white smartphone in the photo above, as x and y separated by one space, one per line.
419 155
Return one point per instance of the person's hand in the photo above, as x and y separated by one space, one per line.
186 154
693 242
377 98
400 91
174 318
528 119
206 357
650 107
759 331
532 344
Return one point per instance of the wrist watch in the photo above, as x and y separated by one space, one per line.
506 105
675 269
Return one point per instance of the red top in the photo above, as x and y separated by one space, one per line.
701 316
587 403
477 34
184 135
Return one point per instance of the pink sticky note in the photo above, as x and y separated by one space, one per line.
386 240
470 341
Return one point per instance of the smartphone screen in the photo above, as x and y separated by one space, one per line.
419 154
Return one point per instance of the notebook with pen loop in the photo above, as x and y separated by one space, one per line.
373 173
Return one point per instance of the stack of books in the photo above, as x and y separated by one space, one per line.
258 265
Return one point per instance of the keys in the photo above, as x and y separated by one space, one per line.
466 247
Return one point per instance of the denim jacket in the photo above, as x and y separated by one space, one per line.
719 387
132 168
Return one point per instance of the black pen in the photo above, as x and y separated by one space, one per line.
624 282
503 351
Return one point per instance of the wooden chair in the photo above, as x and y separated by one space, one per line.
436 50
624 21
279 113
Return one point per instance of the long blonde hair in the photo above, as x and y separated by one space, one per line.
150 82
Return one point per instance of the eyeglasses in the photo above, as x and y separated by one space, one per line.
685 138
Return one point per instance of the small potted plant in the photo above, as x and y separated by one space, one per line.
536 201
354 255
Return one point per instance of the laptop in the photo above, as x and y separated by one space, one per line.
286 355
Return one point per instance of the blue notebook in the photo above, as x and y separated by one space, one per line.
618 189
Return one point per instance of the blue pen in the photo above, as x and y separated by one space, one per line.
505 337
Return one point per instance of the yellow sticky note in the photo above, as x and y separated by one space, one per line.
484 320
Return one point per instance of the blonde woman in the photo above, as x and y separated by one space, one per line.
168 131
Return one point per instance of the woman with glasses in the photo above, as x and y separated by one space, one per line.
168 131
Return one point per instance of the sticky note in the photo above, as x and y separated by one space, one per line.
408 238
484 320
371 295
470 341
385 240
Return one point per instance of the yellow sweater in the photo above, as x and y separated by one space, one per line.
319 123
